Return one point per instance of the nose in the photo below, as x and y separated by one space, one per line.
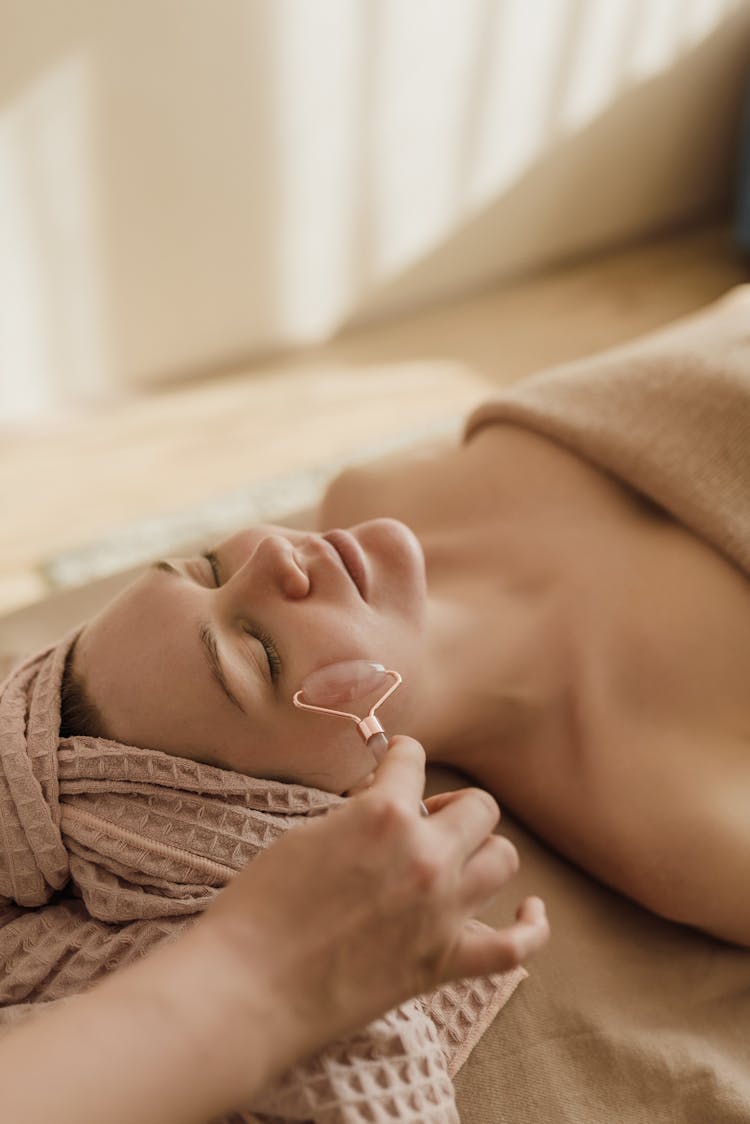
274 565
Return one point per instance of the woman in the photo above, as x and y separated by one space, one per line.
565 594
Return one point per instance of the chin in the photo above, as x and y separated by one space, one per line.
398 552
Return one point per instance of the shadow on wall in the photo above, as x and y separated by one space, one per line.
142 228
185 186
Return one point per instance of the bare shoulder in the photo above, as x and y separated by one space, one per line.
670 827
449 483
436 482
697 849
394 485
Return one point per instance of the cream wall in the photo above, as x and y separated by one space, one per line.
185 184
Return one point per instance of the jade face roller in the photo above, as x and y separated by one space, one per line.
347 682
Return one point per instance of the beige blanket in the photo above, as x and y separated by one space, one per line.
668 413
106 849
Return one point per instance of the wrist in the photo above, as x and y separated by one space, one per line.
216 1022
179 1036
250 987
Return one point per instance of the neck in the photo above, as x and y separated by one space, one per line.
495 672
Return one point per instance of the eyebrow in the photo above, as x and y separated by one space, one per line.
208 640
167 567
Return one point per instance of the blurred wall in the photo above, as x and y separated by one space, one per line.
185 184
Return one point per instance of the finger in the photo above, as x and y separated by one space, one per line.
441 799
401 774
466 821
482 950
490 867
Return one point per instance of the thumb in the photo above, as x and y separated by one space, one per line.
401 773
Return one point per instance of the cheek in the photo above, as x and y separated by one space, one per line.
383 640
387 638
331 638
333 748
327 753
334 744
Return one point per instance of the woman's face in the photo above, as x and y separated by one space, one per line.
201 656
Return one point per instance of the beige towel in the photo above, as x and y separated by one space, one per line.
106 849
669 414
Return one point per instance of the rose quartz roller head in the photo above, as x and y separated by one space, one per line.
347 682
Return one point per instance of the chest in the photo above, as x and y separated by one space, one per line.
643 779
656 734
659 621
663 631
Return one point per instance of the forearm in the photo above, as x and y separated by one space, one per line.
338 921
170 1039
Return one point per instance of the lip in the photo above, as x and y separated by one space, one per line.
350 553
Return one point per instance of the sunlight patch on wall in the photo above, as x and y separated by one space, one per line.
423 70
315 104
51 322
525 61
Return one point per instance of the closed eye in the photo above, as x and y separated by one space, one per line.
272 655
214 564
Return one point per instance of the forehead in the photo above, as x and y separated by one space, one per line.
145 668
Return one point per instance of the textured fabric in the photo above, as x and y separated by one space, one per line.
106 849
669 414
625 1018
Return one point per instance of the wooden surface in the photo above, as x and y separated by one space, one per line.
73 480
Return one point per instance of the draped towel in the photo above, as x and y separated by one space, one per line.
668 413
106 849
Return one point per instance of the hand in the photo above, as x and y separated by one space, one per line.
351 914
337 922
